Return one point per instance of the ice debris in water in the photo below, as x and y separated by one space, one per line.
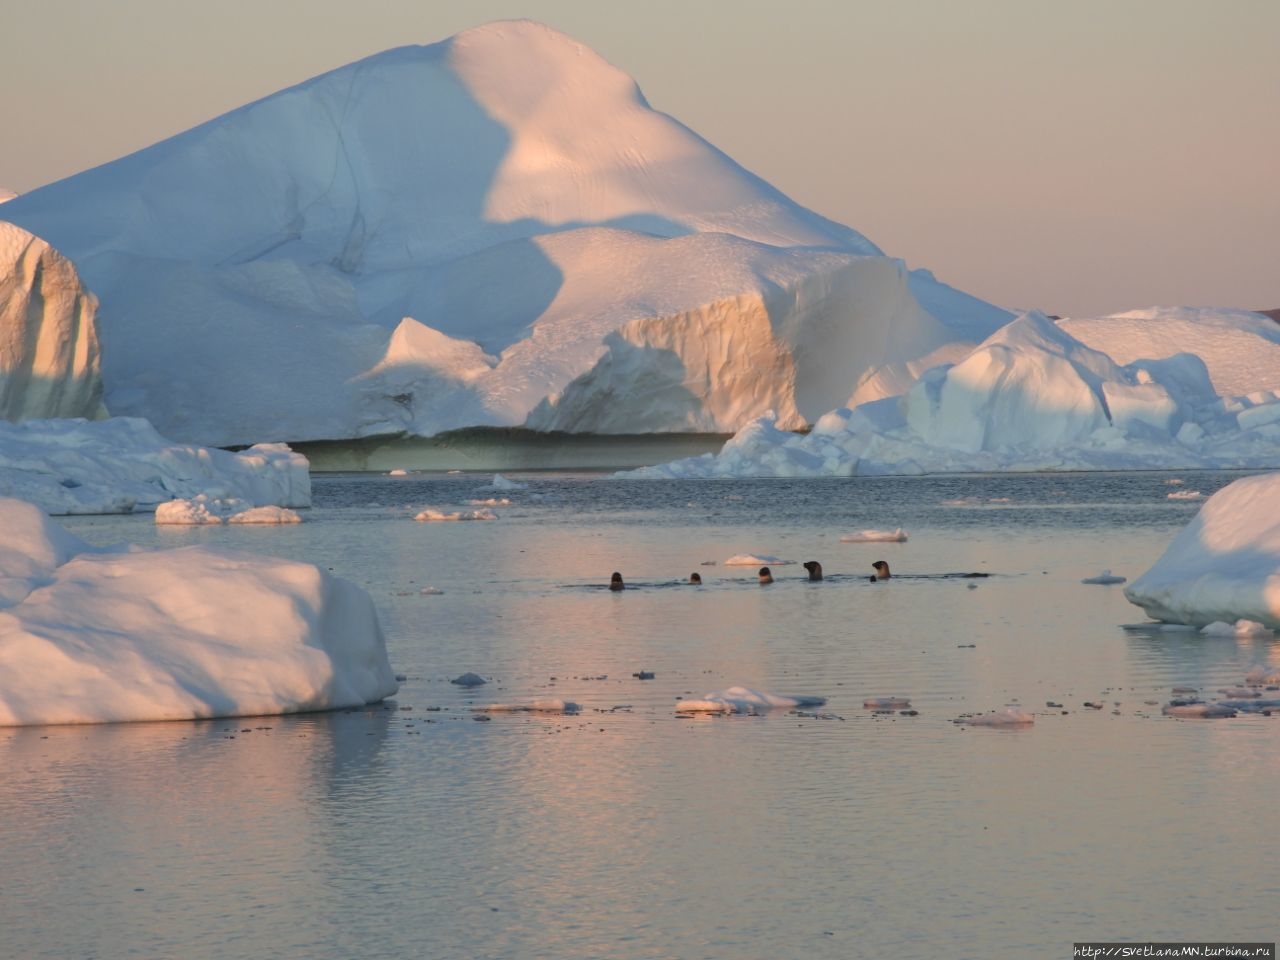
502 483
745 700
1185 495
886 703
469 680
876 536
1106 576
754 560
1197 709
1008 717
531 706
439 515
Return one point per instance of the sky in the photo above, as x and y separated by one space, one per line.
1081 158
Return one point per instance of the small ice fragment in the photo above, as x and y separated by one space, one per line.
744 700
531 706
754 560
1008 717
1196 709
430 592
439 515
469 680
265 515
1240 693
875 536
398 472
1185 495
1106 576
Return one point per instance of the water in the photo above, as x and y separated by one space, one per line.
412 830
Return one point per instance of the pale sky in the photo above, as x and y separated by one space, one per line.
1080 157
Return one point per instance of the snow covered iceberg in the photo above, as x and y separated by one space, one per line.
98 636
48 342
1029 397
122 464
483 231
1224 565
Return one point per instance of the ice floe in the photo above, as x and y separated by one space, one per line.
552 705
1224 565
439 515
755 560
1008 717
122 464
745 700
91 635
1105 577
1241 628
875 536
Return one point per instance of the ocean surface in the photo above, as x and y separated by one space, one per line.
420 828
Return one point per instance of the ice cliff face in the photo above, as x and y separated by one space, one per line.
48 347
840 328
448 235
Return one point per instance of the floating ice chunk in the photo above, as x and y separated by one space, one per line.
1106 576
755 560
1239 693
265 515
875 536
1008 717
398 473
439 515
1185 495
1263 673
1251 706
1197 709
502 483
886 703
490 502
119 635
1241 628
185 513
745 700
531 706
469 680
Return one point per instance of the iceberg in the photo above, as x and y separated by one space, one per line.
49 355
1030 397
75 466
103 635
492 230
1224 566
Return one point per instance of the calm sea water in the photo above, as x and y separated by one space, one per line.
412 830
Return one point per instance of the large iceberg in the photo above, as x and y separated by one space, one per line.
1033 397
48 343
122 464
1224 565
98 636
489 230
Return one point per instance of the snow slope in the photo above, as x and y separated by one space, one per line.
48 345
1224 565
98 636
457 234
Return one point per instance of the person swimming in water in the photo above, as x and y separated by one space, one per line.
615 582
695 579
814 568
765 576
881 571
